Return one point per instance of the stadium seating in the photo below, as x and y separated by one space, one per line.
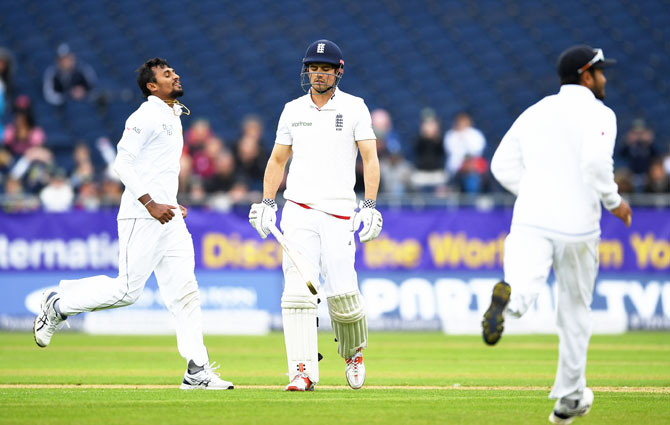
492 58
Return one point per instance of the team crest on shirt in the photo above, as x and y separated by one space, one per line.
168 129
339 122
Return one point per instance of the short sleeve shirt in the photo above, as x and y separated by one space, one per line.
322 173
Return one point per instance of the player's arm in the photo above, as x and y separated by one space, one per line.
598 166
263 215
368 149
128 149
274 171
507 163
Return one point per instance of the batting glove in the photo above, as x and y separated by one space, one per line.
262 215
371 219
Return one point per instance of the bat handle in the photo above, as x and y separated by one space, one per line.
277 233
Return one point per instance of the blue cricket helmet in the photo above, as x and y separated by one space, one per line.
322 51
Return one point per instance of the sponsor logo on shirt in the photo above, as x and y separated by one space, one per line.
339 122
135 129
168 129
301 124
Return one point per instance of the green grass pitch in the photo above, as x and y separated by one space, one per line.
412 378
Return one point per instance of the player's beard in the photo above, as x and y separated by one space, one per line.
177 93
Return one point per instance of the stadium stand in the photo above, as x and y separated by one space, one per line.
491 58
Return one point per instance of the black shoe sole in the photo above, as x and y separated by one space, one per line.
492 325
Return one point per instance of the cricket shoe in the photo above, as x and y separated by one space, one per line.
492 325
355 370
565 410
300 382
204 378
47 320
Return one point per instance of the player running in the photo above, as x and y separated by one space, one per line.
323 131
152 238
557 159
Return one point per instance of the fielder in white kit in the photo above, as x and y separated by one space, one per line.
557 159
323 130
152 238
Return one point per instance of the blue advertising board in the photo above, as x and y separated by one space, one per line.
429 269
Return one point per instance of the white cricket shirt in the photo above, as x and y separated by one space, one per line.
322 173
557 158
148 155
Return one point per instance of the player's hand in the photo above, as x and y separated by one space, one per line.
161 212
184 211
262 215
623 212
371 219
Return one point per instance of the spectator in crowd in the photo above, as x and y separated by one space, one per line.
197 195
224 177
382 125
6 161
87 197
185 174
15 199
429 154
196 136
23 132
395 170
33 168
6 83
68 78
638 152
203 160
657 179
464 146
250 155
83 169
108 153
58 195
624 180
110 192
226 187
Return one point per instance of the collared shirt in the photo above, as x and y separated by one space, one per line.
148 157
557 159
322 173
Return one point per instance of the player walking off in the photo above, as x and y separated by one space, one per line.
323 130
152 238
557 159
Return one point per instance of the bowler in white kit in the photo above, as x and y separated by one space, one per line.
323 131
557 159
152 233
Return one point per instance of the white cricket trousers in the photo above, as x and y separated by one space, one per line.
146 246
327 242
528 261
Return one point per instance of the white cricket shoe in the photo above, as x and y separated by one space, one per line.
47 320
355 370
204 378
565 411
300 382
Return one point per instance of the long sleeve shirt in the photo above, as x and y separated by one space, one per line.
557 159
147 159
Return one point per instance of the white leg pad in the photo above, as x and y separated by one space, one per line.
299 315
347 315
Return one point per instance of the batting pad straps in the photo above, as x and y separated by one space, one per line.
298 301
347 316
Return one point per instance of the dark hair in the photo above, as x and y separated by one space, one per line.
145 74
576 78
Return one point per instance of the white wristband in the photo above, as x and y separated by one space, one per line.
150 200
